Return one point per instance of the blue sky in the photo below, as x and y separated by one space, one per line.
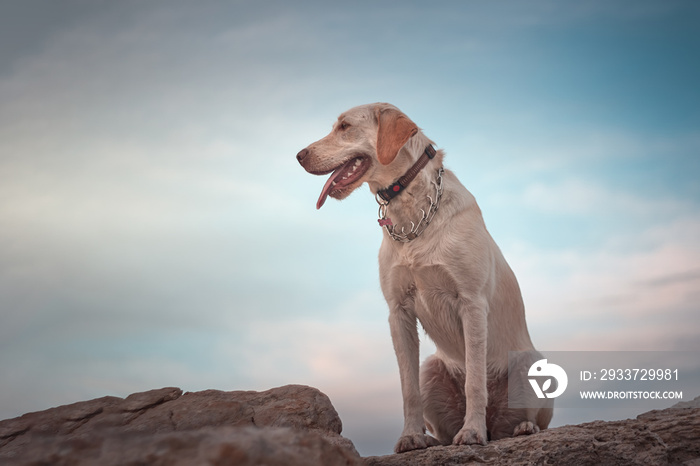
156 229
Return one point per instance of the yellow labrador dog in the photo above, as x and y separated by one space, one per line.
437 265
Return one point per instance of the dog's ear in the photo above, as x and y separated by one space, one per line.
395 129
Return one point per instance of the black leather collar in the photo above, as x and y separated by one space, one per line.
399 185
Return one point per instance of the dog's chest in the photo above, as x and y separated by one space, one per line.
437 301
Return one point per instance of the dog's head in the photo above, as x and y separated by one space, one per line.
362 146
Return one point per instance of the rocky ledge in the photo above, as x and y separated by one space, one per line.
290 425
297 425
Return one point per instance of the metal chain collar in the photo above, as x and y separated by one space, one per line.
416 229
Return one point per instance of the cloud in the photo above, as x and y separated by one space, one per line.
575 197
687 276
640 296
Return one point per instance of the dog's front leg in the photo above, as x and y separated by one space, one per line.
474 325
404 335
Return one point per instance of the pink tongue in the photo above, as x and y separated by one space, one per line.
327 188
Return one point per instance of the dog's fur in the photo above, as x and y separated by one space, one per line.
453 279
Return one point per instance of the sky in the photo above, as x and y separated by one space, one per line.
156 229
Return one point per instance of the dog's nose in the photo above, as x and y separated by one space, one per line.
302 155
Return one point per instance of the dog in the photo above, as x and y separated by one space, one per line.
437 265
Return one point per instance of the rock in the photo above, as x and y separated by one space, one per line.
297 425
665 437
287 426
688 404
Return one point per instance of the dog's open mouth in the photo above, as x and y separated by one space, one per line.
342 178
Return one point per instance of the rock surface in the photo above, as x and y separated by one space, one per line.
665 437
297 425
290 425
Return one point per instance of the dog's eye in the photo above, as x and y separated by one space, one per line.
344 125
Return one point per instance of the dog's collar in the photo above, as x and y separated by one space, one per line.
399 185
416 229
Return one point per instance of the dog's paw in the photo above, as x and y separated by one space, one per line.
469 435
415 442
525 428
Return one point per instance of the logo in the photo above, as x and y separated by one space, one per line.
543 369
